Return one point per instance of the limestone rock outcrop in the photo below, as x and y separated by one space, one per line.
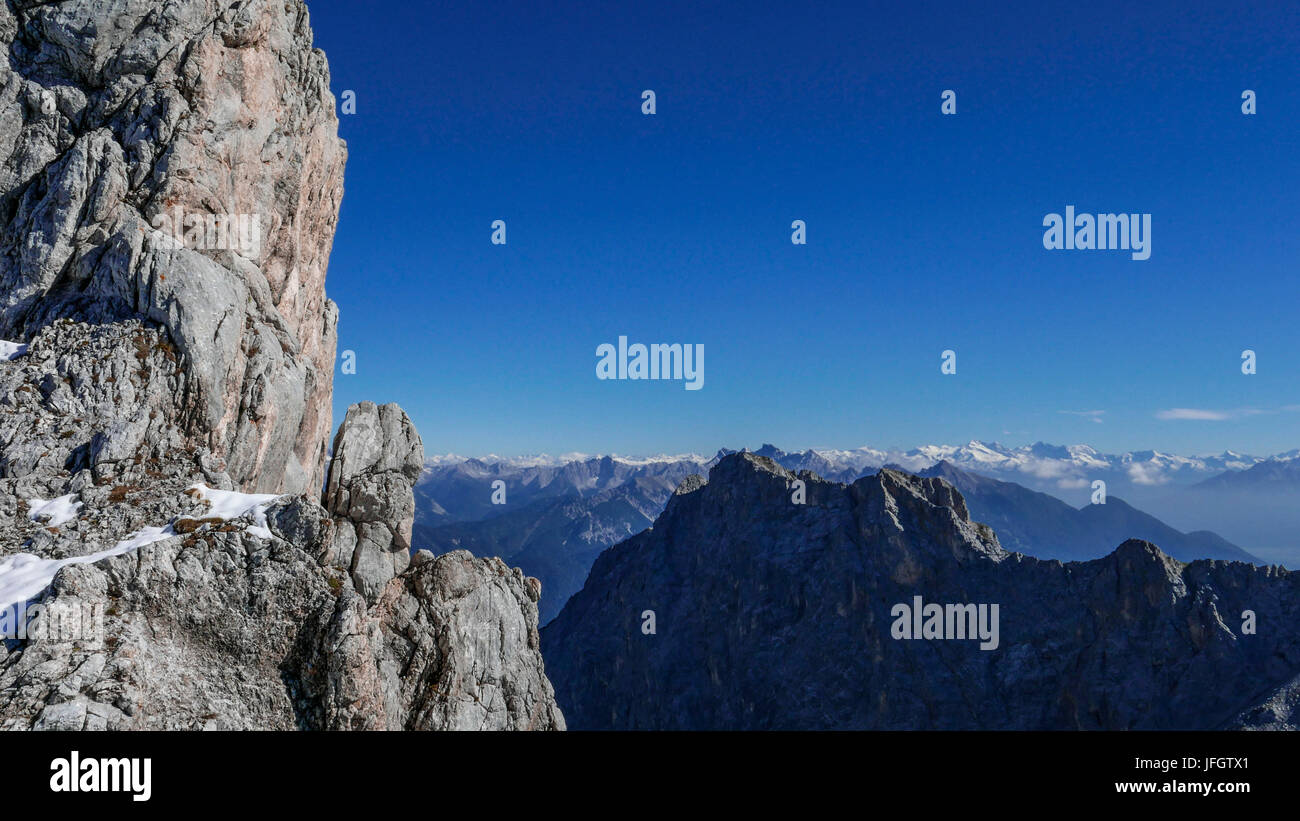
377 458
170 176
232 620
179 163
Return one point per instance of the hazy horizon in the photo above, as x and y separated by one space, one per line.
894 447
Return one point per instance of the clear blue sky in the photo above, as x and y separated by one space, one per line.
924 231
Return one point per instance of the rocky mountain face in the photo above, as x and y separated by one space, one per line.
377 455
558 518
741 609
167 560
179 163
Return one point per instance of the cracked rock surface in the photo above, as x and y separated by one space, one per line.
377 458
155 363
121 119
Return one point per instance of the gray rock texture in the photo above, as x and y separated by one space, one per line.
773 615
120 124
156 363
377 457
217 627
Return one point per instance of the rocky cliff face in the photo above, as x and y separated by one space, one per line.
225 610
166 561
769 614
178 162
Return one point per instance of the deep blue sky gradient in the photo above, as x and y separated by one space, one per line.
924 231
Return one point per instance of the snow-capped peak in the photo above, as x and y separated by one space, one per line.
1040 464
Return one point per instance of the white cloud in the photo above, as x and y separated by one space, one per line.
1092 415
1047 468
1208 415
1195 414
1141 473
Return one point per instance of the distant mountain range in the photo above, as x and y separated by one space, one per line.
558 516
1040 525
554 538
1277 474
1258 507
1040 465
450 491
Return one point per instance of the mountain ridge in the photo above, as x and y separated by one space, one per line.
1043 526
1061 463
775 615
531 530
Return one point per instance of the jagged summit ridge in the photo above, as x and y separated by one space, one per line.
775 615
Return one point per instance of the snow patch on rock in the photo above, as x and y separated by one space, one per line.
231 504
53 512
24 576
